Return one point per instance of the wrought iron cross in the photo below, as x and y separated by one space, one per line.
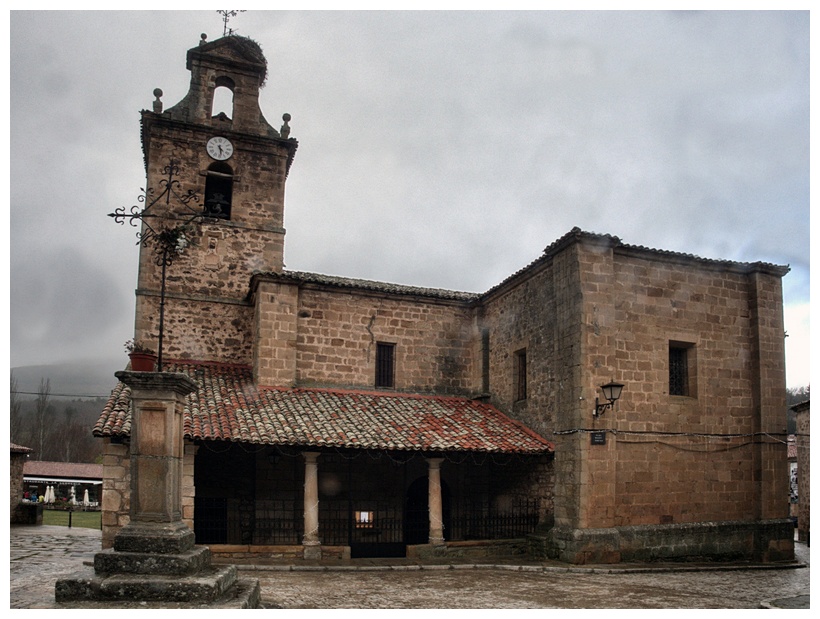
166 233
226 16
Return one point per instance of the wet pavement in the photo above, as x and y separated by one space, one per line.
41 555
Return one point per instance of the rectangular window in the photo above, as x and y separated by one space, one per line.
682 369
521 374
385 364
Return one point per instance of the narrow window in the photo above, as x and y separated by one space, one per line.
385 366
682 369
485 361
521 374
218 190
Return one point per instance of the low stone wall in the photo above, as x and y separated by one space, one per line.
479 550
246 553
27 513
768 541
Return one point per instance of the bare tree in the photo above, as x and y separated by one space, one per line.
15 414
41 409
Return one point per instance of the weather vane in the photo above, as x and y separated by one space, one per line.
226 16
168 240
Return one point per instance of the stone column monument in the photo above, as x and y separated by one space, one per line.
155 560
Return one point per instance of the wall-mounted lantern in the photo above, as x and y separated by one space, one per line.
612 391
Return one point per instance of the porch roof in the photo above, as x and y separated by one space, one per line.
228 406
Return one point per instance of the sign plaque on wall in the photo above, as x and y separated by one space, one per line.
598 438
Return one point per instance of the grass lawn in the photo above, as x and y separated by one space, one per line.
86 520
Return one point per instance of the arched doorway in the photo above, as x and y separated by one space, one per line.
416 512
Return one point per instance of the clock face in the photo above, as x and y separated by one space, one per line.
220 148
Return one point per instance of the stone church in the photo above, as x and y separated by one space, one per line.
338 417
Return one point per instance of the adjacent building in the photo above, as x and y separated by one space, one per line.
803 449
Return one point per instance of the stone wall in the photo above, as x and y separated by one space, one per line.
685 458
311 336
474 550
702 541
803 472
116 488
710 455
188 493
524 318
16 462
198 328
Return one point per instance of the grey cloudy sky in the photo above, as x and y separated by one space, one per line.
441 149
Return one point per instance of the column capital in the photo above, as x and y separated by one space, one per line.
157 381
311 456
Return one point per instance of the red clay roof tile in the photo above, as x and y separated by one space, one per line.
228 406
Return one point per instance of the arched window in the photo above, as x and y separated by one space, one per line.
223 97
218 190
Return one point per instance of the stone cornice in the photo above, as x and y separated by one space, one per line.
157 381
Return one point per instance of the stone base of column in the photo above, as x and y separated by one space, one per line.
217 588
436 541
312 552
155 537
157 579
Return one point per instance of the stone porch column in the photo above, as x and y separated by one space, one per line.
311 542
434 501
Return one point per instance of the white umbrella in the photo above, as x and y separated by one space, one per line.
85 497
73 496
49 494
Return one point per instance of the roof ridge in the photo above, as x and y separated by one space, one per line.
371 284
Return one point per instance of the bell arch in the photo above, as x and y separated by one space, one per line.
223 97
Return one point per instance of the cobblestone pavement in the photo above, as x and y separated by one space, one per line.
40 555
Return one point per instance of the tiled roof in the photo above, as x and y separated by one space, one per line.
228 406
41 468
366 284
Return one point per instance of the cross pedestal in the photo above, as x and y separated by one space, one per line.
155 558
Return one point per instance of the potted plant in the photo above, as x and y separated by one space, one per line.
143 359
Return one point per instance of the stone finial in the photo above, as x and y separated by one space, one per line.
202 38
157 102
285 130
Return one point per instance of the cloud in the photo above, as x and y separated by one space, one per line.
442 149
62 303
798 345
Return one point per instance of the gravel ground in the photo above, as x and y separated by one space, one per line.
40 555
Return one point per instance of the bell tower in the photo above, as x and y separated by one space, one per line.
226 172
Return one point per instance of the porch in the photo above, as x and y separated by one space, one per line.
255 500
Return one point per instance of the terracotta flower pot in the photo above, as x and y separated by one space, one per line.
142 362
